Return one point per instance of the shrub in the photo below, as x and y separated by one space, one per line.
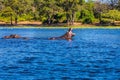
106 22
112 14
87 20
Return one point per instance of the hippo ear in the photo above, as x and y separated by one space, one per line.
69 29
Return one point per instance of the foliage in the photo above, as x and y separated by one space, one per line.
112 14
58 11
99 9
7 12
106 22
88 20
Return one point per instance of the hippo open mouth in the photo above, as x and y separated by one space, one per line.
67 36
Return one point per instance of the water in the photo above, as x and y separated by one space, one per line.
94 54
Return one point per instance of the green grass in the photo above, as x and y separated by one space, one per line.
75 27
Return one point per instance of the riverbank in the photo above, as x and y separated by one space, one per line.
37 24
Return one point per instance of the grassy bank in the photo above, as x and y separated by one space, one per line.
74 27
27 24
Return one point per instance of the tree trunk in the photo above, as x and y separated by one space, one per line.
49 20
16 20
100 18
67 16
113 23
73 18
11 20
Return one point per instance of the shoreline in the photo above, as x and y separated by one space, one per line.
58 27
36 24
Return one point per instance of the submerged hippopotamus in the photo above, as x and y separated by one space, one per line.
67 36
14 36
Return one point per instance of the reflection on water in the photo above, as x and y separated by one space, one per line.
92 55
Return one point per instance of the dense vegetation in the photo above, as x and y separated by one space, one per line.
104 12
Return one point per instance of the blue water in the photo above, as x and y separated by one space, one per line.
93 54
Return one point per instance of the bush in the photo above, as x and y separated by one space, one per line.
45 21
112 14
106 22
87 20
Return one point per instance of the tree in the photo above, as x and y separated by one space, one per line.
47 9
99 9
86 12
113 15
74 8
113 4
8 12
1 5
54 11
19 7
70 7
118 5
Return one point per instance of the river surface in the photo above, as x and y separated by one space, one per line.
93 54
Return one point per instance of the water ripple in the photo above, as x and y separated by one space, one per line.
92 55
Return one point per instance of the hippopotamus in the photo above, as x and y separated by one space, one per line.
14 36
67 36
